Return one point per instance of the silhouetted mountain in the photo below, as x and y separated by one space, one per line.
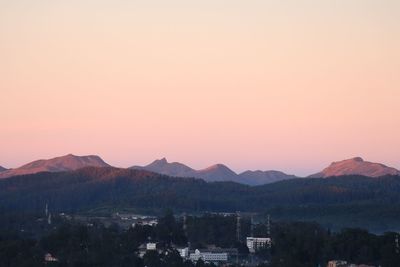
264 177
2 169
162 166
217 172
59 164
356 166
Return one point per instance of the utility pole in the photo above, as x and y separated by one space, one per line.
238 226
185 229
251 226
238 234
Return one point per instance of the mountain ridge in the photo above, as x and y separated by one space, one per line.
216 172
213 173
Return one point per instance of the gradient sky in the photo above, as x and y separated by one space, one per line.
287 85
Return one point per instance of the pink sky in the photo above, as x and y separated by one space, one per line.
287 85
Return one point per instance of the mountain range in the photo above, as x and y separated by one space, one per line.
214 173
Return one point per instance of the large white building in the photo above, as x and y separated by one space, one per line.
256 243
208 256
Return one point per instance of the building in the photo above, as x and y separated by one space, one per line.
143 248
151 246
49 258
184 252
256 243
209 256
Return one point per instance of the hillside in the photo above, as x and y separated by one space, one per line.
91 186
345 201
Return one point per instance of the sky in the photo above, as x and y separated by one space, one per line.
290 85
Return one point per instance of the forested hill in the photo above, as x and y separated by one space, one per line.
93 187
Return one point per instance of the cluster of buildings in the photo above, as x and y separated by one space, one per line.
212 253
135 219
209 254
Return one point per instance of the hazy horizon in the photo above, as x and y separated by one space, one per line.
281 84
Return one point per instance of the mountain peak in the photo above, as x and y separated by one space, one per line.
217 172
218 166
356 166
168 168
163 160
358 159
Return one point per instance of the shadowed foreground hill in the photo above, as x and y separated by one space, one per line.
346 201
92 187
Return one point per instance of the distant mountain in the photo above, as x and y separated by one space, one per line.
264 177
356 166
162 166
2 169
217 172
65 163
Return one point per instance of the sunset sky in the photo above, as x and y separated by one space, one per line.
286 85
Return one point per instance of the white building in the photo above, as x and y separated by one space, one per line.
256 243
208 256
184 252
151 246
